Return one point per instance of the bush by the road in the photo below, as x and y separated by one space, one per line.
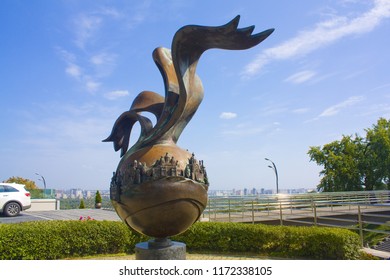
47 240
63 239
279 241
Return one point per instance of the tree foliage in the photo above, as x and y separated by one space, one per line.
98 197
356 163
30 185
82 205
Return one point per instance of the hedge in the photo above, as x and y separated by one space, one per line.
61 239
64 239
279 241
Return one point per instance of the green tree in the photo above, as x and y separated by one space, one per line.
341 169
378 138
82 205
355 163
98 200
30 185
98 197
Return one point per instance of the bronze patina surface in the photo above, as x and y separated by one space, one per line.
160 189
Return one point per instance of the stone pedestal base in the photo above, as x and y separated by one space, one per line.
160 249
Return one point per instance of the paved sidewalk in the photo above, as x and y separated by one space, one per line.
377 253
72 214
189 256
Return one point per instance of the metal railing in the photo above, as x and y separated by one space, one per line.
43 194
360 211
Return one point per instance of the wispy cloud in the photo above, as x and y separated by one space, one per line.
323 34
109 11
228 115
103 63
354 74
273 110
113 95
335 109
87 66
382 110
300 77
56 125
85 26
243 132
73 70
300 110
92 85
103 58
384 86
246 129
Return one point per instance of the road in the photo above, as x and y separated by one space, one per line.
73 214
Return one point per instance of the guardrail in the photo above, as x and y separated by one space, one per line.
360 211
43 194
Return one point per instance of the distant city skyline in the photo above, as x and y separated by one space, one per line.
90 193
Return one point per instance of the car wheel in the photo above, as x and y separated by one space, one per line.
12 209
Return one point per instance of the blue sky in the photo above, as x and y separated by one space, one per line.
70 68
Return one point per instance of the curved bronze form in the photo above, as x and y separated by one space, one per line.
160 189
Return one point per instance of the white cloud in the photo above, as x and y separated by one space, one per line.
109 11
103 58
382 110
246 129
112 95
67 56
92 86
63 125
243 132
300 77
73 70
300 110
335 109
384 86
103 63
323 34
273 110
228 115
86 27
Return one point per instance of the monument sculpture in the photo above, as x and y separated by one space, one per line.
160 189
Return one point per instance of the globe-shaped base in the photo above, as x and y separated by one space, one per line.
161 206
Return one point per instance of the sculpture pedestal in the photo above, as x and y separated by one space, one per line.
160 249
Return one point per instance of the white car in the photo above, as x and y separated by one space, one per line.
13 199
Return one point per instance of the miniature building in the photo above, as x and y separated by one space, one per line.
166 166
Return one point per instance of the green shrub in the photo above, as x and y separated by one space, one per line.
98 197
282 241
64 239
82 205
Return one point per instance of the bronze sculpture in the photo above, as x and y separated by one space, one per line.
160 189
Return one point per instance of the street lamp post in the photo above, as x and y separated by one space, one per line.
43 179
276 174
